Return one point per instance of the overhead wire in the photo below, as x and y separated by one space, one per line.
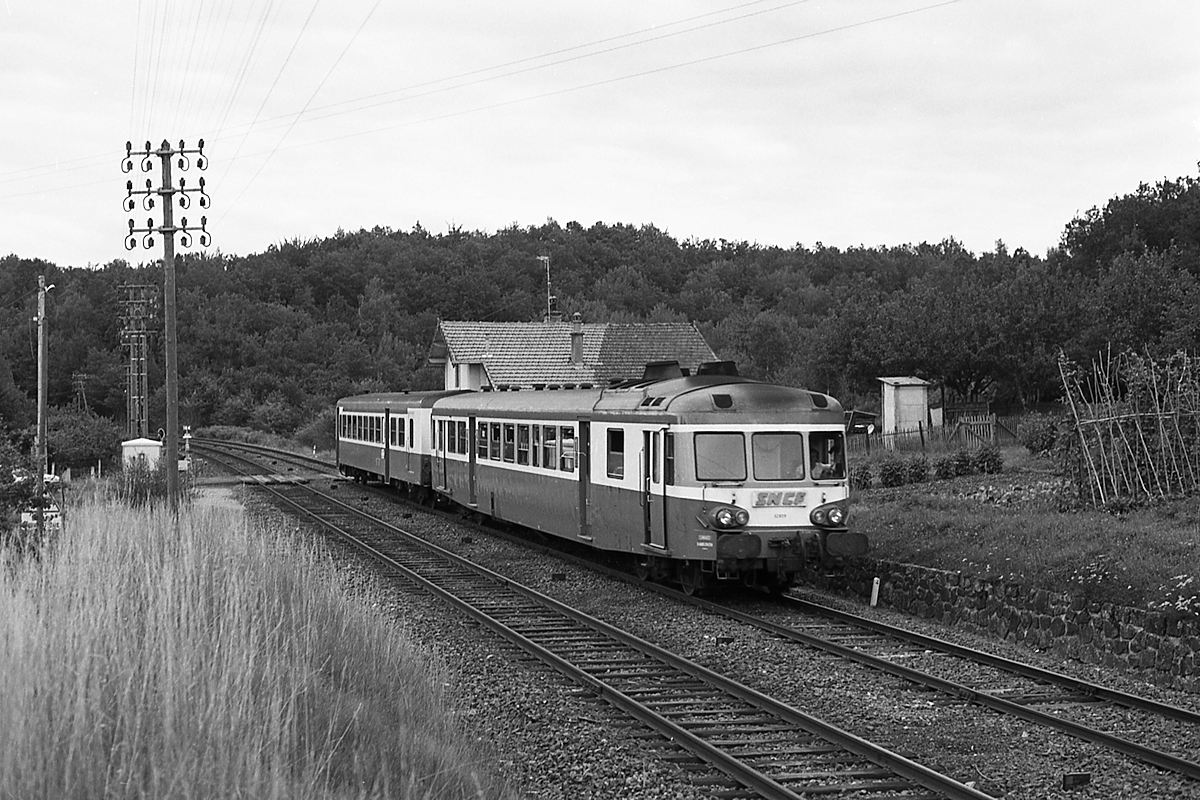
300 113
243 69
271 89
22 174
137 40
558 62
632 75
182 100
223 36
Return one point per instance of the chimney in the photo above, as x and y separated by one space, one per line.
577 339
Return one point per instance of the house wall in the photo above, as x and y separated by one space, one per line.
463 376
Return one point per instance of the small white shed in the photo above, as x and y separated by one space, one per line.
905 404
149 450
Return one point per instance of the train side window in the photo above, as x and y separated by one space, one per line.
720 457
655 438
464 445
412 440
523 444
535 449
566 458
494 441
616 453
400 432
377 430
509 442
549 446
481 440
441 436
669 459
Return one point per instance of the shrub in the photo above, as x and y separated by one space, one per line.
143 486
892 472
944 467
987 460
917 469
964 462
860 476
1038 433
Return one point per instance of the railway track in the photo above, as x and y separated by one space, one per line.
767 747
1155 733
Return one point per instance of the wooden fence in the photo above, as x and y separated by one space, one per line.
967 432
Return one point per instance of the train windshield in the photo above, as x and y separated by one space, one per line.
827 451
720 457
778 456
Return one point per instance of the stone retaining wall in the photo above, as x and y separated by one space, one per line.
1164 647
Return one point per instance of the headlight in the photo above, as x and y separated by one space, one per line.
830 515
726 517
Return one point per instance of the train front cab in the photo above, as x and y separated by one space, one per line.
754 504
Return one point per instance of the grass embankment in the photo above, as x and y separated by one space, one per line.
214 660
1013 526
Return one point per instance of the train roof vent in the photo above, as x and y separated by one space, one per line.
819 400
722 400
661 371
652 401
718 368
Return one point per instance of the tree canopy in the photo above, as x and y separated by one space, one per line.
270 340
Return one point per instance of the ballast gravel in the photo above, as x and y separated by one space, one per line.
551 739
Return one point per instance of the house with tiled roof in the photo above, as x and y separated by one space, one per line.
502 356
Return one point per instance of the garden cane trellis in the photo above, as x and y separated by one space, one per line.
1136 426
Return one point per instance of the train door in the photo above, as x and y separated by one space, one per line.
410 445
472 454
654 490
582 452
388 421
439 454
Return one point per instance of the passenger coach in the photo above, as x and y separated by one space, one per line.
700 479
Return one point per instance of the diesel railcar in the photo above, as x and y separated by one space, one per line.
702 479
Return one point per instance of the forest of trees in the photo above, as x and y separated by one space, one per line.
269 340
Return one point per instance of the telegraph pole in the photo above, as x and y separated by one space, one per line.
167 191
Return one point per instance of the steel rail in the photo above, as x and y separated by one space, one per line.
899 765
904 767
1149 755
1000 662
1163 760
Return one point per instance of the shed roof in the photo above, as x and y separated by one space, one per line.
906 380
526 354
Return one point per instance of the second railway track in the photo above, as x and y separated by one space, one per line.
768 747
1159 734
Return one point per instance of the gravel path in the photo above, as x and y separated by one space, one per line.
553 740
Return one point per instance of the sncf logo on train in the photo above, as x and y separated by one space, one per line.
768 499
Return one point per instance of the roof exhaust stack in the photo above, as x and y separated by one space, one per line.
577 339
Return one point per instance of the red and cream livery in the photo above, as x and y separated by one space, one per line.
701 479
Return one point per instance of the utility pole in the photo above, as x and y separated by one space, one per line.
43 391
167 191
549 297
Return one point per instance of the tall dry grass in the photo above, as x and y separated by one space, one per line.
144 658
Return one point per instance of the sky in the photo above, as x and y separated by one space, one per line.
857 122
